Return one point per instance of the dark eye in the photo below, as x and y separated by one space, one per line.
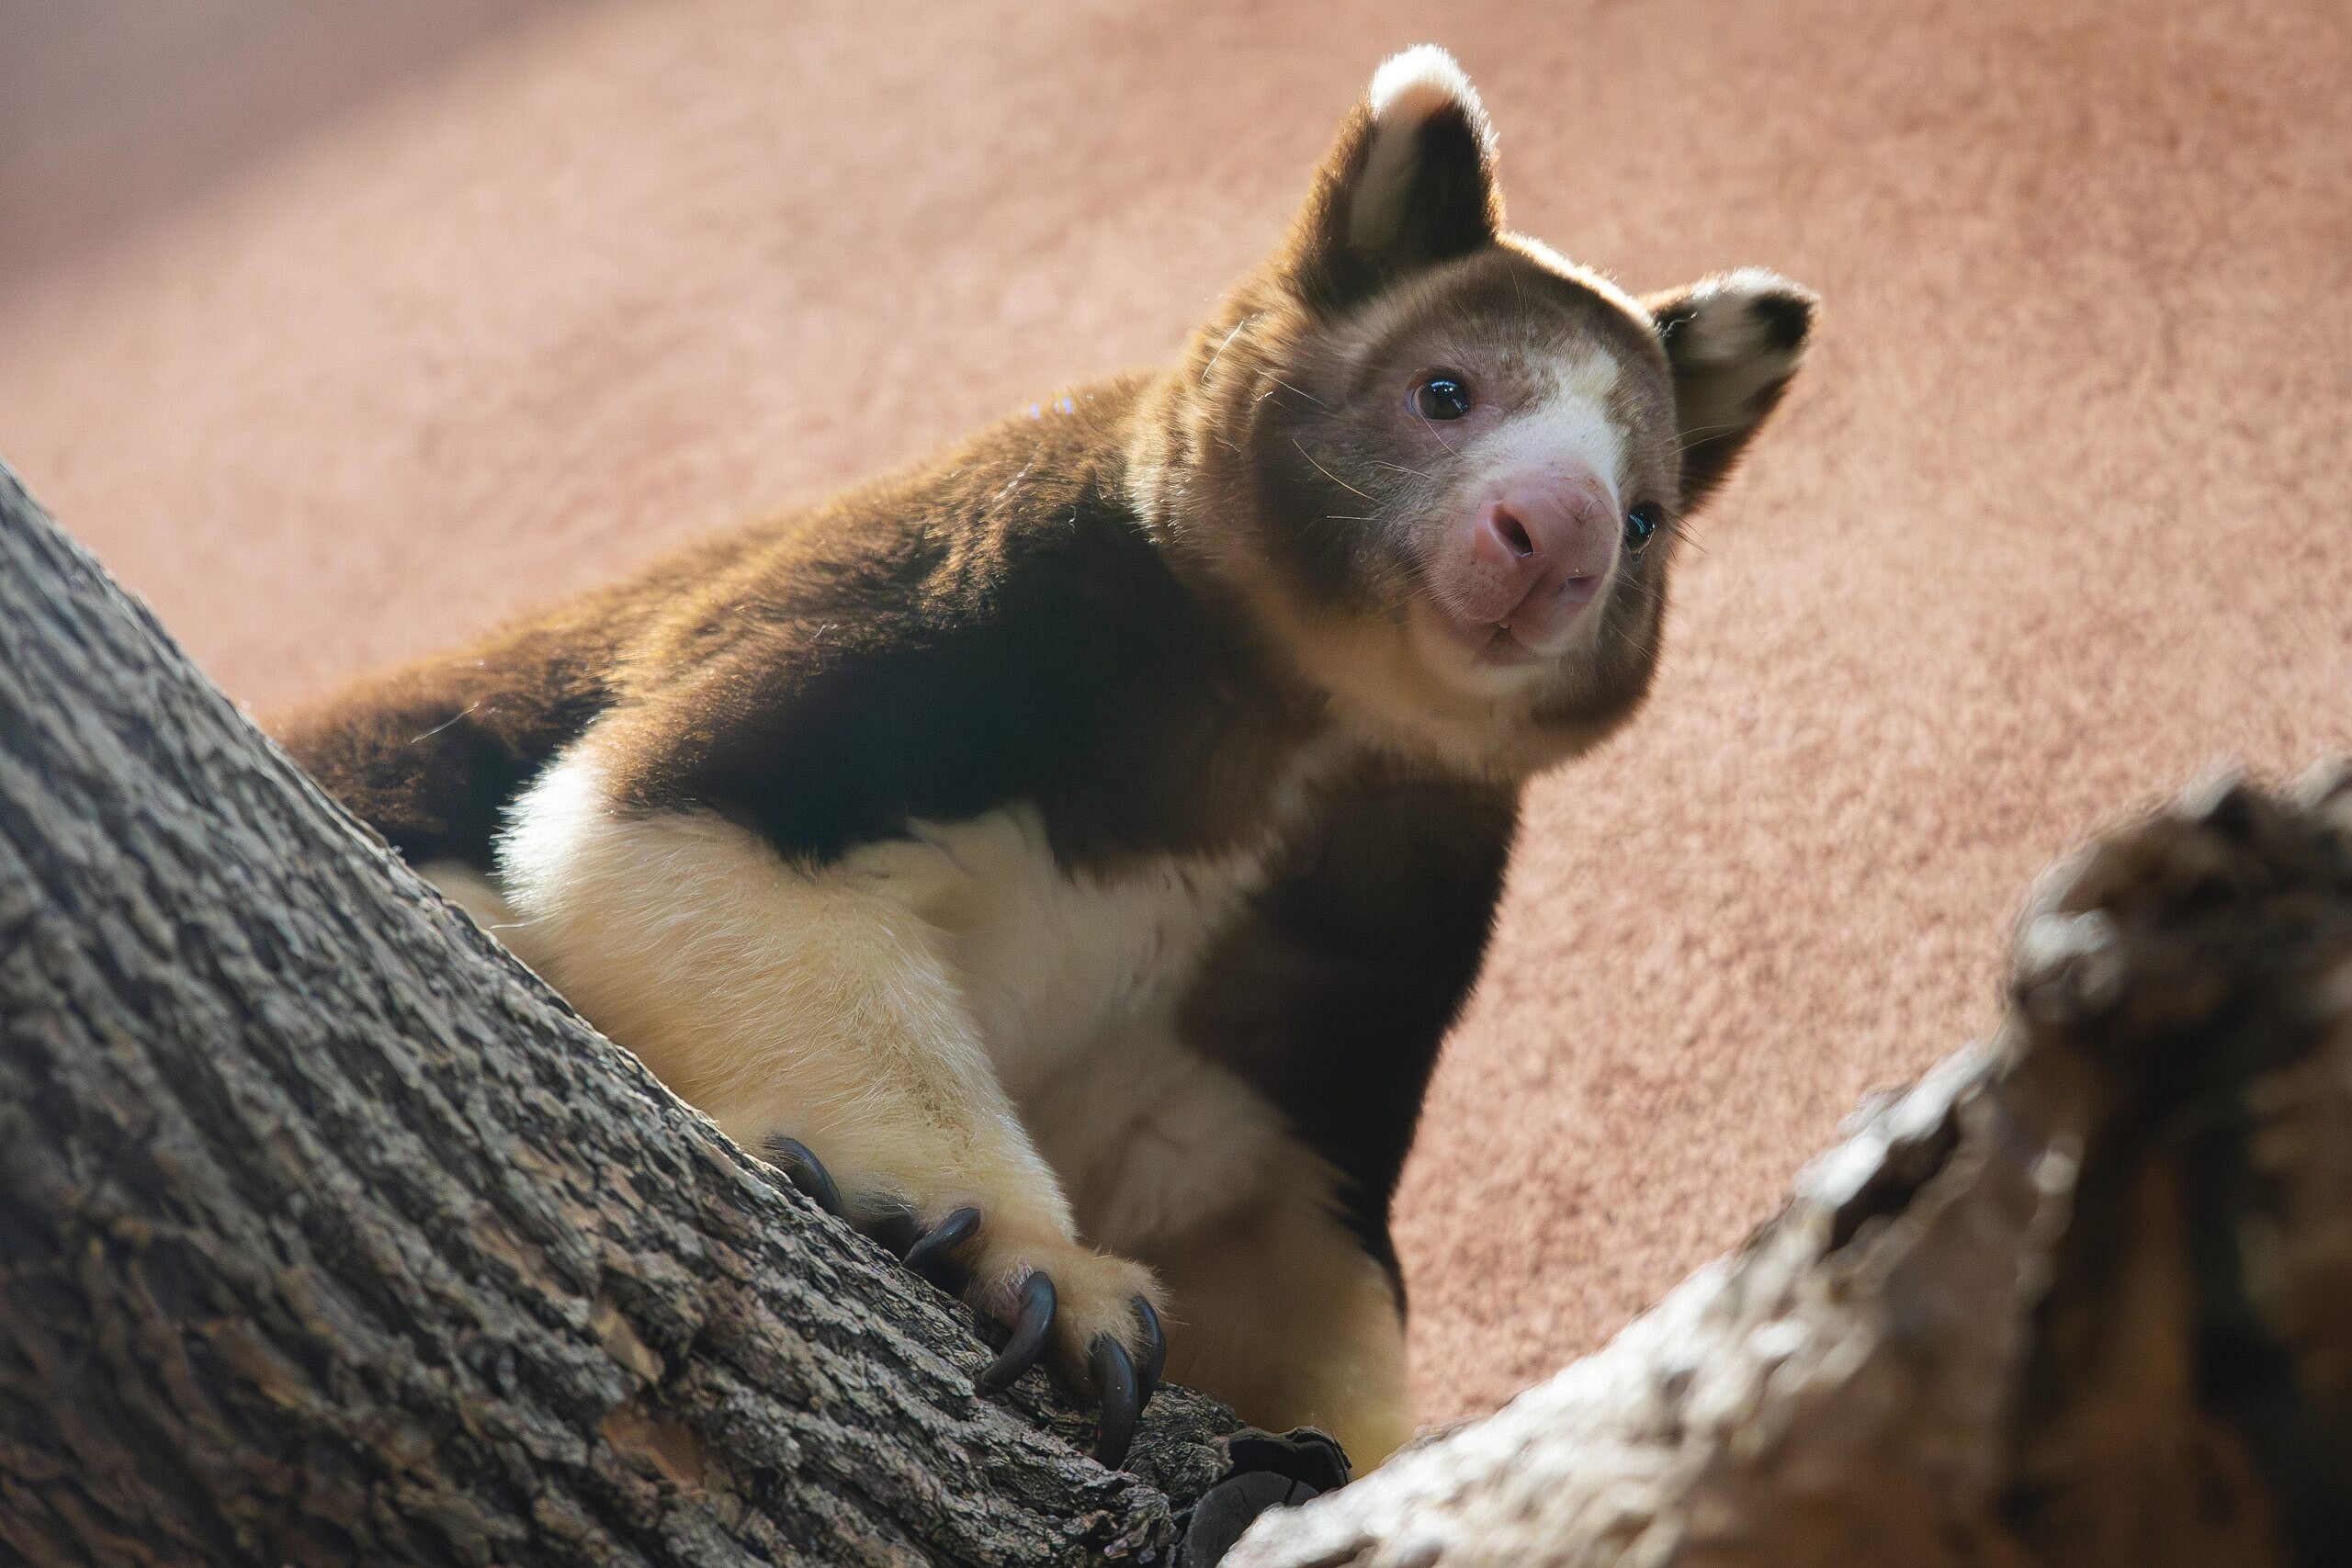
1640 524
1442 396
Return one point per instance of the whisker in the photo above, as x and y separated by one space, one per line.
1329 475
1286 387
439 727
1680 524
1433 431
1705 432
1220 347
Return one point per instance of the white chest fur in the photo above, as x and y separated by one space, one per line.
1073 980
1051 960
763 989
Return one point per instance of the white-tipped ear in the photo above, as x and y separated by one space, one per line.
1733 341
1419 82
1407 92
1410 183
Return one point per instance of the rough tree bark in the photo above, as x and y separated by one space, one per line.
327 1234
2081 1296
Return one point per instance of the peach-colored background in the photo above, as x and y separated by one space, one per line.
340 330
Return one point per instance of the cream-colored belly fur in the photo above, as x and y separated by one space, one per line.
1073 982
951 1018
1070 981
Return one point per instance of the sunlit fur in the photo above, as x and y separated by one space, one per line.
1084 824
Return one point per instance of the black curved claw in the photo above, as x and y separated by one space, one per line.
1155 1352
930 1255
808 1173
1115 1374
1033 1323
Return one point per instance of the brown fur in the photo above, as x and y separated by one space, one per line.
1143 609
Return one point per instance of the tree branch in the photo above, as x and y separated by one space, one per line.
2081 1296
331 1236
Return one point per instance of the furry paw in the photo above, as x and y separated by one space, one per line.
1095 1316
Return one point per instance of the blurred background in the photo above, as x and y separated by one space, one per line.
339 332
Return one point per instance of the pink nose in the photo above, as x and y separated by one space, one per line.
1539 552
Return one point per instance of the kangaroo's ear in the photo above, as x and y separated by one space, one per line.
1410 183
1733 341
